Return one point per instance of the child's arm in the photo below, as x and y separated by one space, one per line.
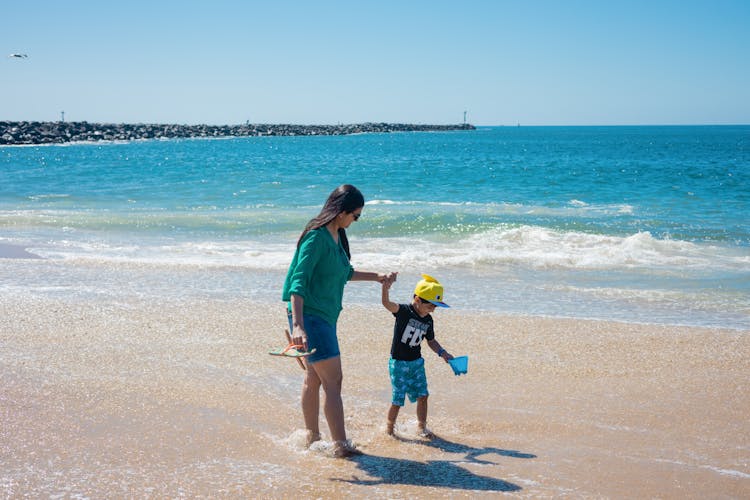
435 346
391 306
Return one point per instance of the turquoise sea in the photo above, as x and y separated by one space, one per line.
639 224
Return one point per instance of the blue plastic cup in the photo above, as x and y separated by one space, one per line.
460 364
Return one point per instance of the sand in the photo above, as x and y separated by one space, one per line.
179 399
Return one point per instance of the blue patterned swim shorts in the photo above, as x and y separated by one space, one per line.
407 379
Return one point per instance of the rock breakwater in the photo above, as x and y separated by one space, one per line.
15 133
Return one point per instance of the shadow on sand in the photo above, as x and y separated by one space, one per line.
471 452
434 473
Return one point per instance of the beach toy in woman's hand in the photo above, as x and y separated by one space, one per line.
460 364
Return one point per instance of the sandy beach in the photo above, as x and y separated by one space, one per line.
179 399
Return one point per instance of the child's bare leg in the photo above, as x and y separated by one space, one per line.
392 415
422 417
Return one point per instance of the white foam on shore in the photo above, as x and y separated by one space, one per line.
718 470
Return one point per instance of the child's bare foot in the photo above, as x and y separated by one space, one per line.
426 433
389 428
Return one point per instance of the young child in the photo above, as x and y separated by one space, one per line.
413 324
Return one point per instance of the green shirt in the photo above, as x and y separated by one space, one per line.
318 273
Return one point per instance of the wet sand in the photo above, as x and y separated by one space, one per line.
173 399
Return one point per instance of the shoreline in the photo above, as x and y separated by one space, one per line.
169 397
14 133
8 251
85 279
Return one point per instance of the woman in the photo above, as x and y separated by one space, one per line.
314 287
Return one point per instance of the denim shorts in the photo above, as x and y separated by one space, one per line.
407 379
321 336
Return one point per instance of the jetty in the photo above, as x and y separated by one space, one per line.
30 132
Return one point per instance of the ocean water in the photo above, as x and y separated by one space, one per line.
640 224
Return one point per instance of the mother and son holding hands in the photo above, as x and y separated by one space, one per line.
313 289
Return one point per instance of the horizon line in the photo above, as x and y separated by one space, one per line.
340 124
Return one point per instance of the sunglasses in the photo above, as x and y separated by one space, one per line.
356 216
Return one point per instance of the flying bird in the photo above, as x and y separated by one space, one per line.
19 56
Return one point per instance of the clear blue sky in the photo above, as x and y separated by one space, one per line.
555 62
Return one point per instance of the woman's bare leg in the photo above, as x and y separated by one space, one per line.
328 375
311 404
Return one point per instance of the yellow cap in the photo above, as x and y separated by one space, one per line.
430 290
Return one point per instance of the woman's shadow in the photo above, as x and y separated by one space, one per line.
435 473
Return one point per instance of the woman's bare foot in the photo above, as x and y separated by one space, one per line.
311 438
344 449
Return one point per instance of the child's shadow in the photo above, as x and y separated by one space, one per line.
471 452
434 473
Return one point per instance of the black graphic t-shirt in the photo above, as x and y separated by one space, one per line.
408 332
